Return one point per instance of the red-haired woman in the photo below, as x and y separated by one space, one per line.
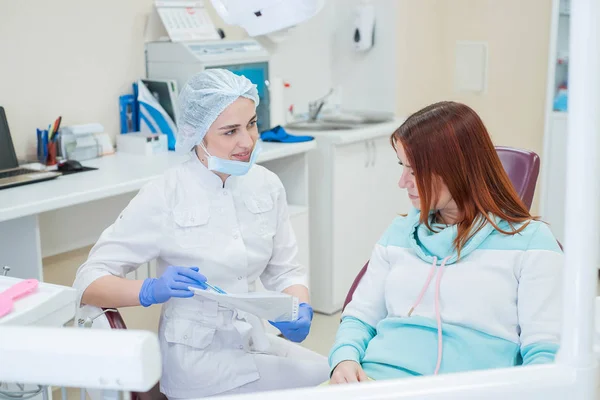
468 280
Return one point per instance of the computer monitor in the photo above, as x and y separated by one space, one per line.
8 157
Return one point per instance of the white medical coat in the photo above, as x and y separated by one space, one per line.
235 233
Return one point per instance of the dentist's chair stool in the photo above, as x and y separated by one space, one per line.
522 167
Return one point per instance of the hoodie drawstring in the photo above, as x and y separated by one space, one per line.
438 315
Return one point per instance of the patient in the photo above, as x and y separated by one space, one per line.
468 280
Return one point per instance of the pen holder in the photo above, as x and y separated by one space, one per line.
51 159
43 147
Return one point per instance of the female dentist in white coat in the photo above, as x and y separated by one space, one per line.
216 216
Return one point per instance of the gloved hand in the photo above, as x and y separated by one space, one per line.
297 330
173 283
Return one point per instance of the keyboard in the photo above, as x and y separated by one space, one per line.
23 176
16 172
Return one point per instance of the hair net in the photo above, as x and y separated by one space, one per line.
203 99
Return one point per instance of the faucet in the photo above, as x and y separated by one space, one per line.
314 107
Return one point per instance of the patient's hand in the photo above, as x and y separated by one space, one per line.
348 372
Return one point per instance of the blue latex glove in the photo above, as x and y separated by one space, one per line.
297 330
173 283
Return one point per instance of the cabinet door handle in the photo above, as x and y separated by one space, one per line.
374 152
367 154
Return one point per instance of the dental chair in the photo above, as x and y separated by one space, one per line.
522 167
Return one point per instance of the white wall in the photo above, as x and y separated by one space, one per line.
517 34
67 57
368 79
319 56
304 58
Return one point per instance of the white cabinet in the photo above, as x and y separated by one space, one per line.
293 172
353 198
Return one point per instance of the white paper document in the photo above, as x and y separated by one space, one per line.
272 306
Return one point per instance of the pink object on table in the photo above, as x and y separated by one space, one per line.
15 292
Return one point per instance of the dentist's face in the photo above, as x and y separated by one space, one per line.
233 134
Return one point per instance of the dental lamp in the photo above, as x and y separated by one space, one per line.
263 17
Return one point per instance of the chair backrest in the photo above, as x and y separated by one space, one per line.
522 167
355 284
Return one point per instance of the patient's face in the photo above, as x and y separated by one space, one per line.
407 181
233 134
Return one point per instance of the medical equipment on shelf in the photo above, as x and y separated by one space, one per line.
181 60
273 306
142 143
79 142
261 17
36 349
574 375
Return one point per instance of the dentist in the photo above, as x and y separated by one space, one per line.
217 215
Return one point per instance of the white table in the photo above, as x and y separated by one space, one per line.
76 201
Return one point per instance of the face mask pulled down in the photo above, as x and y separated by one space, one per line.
232 167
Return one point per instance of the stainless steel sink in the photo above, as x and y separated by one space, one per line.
320 126
343 121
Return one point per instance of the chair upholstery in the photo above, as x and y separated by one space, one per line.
522 167
116 321
355 284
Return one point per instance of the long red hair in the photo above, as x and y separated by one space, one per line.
448 141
